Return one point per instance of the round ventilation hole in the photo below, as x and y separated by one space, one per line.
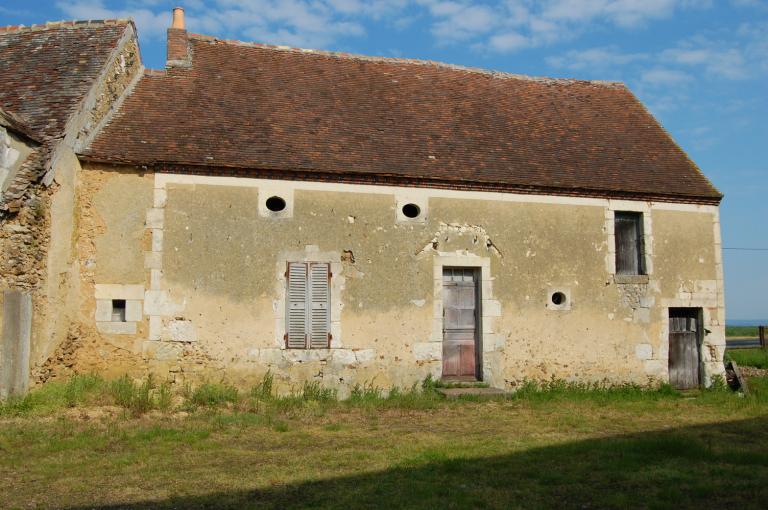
275 204
411 210
558 298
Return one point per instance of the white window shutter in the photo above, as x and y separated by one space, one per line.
319 306
296 322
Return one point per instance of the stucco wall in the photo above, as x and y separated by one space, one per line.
211 263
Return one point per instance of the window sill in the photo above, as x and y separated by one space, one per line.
631 278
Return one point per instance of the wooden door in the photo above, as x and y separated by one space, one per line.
460 320
684 353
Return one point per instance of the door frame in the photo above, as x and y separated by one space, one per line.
698 314
477 272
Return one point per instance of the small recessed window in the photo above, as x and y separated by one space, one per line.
630 245
411 210
118 310
275 204
558 298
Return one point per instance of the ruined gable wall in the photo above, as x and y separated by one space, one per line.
116 80
211 285
39 238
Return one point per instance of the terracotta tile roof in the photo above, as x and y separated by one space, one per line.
48 69
18 125
305 114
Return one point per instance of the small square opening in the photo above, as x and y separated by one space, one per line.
118 310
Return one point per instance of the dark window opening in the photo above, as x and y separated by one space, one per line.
630 248
558 298
411 210
118 310
275 204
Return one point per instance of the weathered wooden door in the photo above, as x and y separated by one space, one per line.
460 321
684 348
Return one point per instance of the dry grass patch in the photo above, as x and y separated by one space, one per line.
555 447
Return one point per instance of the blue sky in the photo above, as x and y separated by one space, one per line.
701 67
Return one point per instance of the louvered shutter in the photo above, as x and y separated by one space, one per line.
319 309
296 326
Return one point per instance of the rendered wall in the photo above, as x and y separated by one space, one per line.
205 262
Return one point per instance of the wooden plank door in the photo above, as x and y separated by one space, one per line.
684 353
460 313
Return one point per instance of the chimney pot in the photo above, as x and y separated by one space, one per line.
178 43
178 18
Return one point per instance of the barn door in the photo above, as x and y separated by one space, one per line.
684 355
460 323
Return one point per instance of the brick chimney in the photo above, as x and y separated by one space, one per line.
178 44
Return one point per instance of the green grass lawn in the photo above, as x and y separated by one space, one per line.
73 445
741 331
757 358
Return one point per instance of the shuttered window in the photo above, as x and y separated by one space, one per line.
308 300
630 250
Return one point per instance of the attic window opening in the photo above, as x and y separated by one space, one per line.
411 211
118 310
558 298
275 204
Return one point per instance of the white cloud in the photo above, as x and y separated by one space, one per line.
600 58
508 41
660 76
500 26
511 25
152 24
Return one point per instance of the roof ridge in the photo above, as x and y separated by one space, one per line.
407 61
65 24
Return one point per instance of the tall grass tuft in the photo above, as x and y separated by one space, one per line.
212 395
265 389
80 389
367 393
313 391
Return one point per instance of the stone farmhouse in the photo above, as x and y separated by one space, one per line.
340 218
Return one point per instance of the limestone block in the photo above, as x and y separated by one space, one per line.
641 315
493 342
306 355
117 291
705 286
491 308
647 301
117 328
157 239
158 302
163 351
153 260
160 198
271 356
155 275
103 310
344 357
155 218
428 351
180 331
487 289
491 324
335 335
133 310
155 327
365 355
654 368
644 351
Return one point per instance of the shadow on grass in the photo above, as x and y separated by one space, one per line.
713 466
